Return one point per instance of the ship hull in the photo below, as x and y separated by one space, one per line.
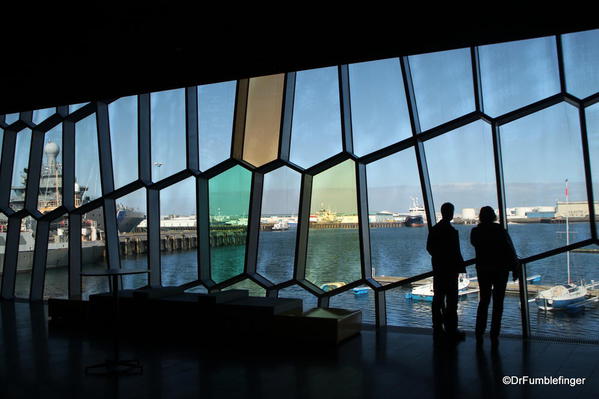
57 257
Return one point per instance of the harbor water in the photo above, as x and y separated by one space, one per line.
395 252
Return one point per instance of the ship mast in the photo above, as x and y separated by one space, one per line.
567 234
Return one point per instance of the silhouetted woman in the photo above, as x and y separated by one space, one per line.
495 258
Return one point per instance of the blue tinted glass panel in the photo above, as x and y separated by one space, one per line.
75 107
581 62
316 128
378 105
132 228
123 139
50 190
443 86
40 115
11 118
168 133
88 185
516 74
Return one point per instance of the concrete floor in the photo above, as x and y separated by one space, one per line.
41 362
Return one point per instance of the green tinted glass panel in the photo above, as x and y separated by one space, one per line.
19 173
57 259
25 257
263 119
178 221
253 288
50 190
540 152
168 133
88 185
229 195
333 239
378 106
581 62
123 139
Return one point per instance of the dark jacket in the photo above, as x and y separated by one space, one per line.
444 246
494 248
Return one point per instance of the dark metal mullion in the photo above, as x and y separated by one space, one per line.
287 118
476 79
9 143
427 193
74 256
111 235
345 108
68 165
103 128
203 226
11 250
303 226
34 170
524 308
153 208
586 155
241 100
38 273
560 64
144 146
253 231
499 182
191 128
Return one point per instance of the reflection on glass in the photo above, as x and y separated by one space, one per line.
229 195
87 161
442 85
40 115
25 257
20 170
333 239
378 105
516 74
11 118
75 107
549 317
57 260
278 224
216 104
50 190
316 127
581 62
462 171
263 119
253 288
295 291
540 152
592 117
133 237
398 228
168 133
123 139
178 233
93 253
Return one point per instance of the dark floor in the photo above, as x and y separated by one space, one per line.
38 362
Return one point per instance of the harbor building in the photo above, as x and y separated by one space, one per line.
120 126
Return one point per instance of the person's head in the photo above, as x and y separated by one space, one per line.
447 210
487 215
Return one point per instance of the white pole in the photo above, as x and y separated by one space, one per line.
567 233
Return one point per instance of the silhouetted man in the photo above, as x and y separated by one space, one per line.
444 246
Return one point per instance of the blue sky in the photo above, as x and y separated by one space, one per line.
540 150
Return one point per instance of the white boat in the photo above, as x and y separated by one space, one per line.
564 296
281 225
426 293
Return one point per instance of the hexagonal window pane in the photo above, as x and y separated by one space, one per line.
229 194
25 257
518 73
443 86
247 284
168 133
581 62
20 169
11 118
93 252
40 115
216 104
88 185
462 171
263 119
592 117
278 224
75 107
178 233
333 238
123 139
360 298
316 127
552 317
378 105
540 153
398 229
309 301
50 189
56 283
130 213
